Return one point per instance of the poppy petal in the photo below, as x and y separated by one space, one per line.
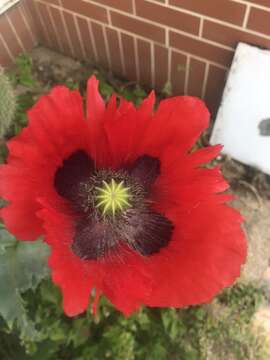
95 104
178 121
206 260
68 271
124 127
121 279
36 153
206 245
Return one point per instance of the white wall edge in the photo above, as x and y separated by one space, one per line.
6 4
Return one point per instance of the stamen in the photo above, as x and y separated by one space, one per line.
113 197
113 206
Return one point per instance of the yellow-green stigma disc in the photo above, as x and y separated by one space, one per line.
112 197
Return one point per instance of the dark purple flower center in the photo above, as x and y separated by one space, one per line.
100 233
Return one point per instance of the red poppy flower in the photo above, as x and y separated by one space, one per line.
125 206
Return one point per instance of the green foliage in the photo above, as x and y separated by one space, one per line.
135 94
23 71
22 267
7 103
129 90
167 89
217 331
10 348
71 84
22 78
148 334
24 102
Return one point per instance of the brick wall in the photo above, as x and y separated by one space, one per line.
17 33
189 43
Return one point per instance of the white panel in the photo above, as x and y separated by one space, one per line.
6 4
243 120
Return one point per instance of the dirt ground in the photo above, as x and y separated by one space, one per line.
251 189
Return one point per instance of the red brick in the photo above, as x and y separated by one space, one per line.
196 77
73 35
87 9
9 36
58 21
17 20
167 16
53 41
144 57
54 2
25 8
47 39
230 36
225 10
28 18
161 66
86 38
114 48
259 20
260 2
100 45
36 24
5 59
178 72
124 5
214 89
138 27
200 48
129 56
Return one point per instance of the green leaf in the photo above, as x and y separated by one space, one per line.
140 92
167 89
72 84
105 89
24 70
6 240
22 267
